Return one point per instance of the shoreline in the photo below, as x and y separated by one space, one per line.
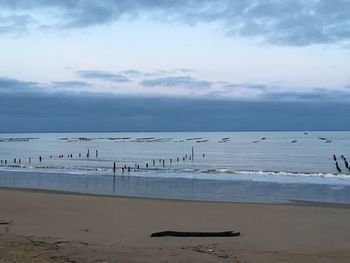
59 227
288 203
172 188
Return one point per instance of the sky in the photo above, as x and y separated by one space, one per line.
158 65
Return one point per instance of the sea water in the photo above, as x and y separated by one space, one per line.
225 166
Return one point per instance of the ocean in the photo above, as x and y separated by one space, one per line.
263 167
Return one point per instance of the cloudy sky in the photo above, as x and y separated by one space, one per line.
140 64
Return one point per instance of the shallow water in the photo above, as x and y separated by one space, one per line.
249 162
179 188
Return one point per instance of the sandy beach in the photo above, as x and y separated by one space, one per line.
39 226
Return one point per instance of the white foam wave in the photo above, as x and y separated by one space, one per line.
271 173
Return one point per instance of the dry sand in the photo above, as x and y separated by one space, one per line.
52 227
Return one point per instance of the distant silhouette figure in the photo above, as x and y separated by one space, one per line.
334 157
337 166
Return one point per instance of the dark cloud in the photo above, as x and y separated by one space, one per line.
70 84
311 95
276 93
287 22
267 93
15 24
185 70
247 85
131 72
178 81
15 86
26 107
102 75
63 112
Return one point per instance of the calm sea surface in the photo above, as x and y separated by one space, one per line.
226 166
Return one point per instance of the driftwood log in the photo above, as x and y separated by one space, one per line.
195 234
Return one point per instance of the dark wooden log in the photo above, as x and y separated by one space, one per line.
195 234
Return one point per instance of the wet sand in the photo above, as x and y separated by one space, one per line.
40 226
